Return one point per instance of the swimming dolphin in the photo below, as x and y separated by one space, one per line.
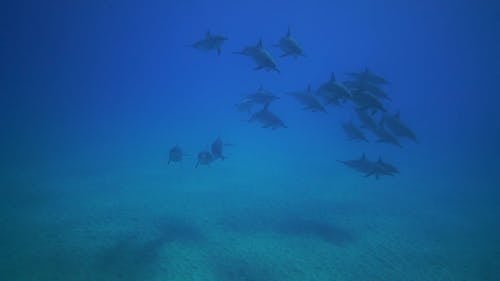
260 56
267 119
353 132
307 99
366 120
175 155
398 128
210 42
366 101
362 164
333 91
289 46
386 137
245 105
381 168
217 148
204 158
388 168
368 76
262 96
369 168
363 86
251 50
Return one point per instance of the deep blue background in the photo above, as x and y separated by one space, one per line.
83 82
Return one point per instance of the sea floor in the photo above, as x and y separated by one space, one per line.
216 225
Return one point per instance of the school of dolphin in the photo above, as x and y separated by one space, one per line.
363 90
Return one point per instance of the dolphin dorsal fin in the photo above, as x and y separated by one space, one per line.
332 77
363 157
266 106
379 159
208 34
288 33
259 44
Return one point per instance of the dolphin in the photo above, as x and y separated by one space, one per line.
362 164
366 101
204 158
386 137
366 120
262 96
353 132
333 91
307 99
368 76
381 168
261 57
371 168
363 86
210 42
217 148
267 119
289 46
388 168
175 155
251 50
398 128
245 105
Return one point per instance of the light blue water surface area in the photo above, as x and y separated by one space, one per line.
110 168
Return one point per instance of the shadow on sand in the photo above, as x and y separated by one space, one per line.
137 258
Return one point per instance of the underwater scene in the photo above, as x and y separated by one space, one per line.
249 140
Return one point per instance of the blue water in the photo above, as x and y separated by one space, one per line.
94 94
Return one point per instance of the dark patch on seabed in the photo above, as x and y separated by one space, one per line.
130 259
135 258
288 224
